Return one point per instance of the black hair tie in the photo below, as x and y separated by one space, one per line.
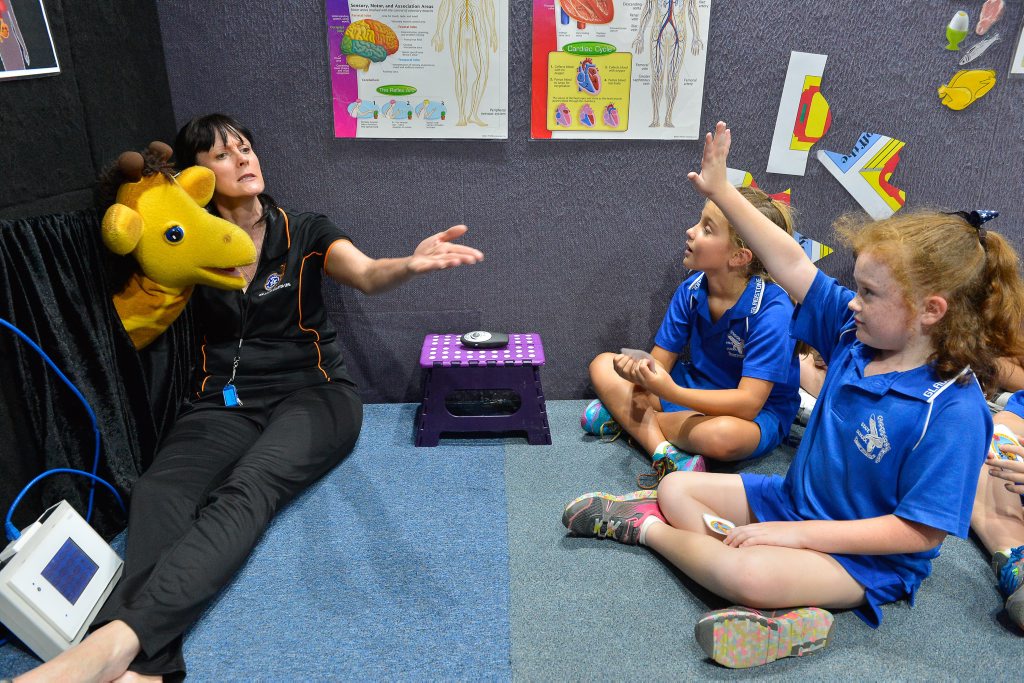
977 219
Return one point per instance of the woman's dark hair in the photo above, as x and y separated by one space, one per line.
202 133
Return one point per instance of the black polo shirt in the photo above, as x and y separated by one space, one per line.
287 337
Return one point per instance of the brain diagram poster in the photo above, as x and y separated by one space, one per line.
618 69
428 69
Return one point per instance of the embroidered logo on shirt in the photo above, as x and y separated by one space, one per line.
872 441
734 345
274 279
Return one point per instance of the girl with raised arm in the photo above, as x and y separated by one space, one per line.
890 459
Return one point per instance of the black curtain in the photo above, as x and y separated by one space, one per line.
56 281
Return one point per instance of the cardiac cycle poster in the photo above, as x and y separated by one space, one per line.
618 69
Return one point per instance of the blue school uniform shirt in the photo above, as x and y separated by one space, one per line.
751 339
902 443
1016 404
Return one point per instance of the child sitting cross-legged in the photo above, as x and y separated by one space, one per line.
890 459
722 379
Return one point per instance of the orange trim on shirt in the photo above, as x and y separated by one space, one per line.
316 342
287 230
202 385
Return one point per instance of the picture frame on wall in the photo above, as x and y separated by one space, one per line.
1017 54
26 44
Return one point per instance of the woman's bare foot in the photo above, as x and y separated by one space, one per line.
103 656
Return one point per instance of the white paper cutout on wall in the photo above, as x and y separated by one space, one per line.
804 115
814 250
865 173
740 178
978 49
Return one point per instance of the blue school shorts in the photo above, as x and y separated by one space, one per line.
771 434
881 584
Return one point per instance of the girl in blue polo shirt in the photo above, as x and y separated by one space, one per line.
890 459
736 395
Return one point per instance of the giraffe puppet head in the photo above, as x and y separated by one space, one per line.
159 219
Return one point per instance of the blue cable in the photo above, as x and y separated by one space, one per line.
9 526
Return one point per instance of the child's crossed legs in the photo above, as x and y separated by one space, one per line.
640 413
762 576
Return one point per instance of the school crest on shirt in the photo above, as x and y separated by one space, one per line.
871 439
275 281
734 344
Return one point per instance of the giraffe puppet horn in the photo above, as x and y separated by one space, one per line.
130 164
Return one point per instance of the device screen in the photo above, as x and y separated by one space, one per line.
70 571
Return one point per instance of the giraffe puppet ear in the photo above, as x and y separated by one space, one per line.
198 181
122 228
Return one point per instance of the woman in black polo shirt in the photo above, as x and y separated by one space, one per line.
273 409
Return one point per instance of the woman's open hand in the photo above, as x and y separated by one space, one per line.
439 251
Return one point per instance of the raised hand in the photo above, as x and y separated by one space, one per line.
712 176
438 252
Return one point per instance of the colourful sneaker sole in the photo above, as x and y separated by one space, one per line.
740 638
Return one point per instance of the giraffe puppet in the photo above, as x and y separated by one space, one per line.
159 219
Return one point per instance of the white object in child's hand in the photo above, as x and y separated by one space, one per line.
717 524
1003 436
637 354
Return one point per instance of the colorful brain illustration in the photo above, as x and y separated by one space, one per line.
368 41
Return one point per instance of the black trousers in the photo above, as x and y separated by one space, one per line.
218 479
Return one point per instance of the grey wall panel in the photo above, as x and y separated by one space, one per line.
584 239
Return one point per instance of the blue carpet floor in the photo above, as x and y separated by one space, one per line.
450 563
393 567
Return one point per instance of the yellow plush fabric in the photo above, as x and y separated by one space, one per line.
162 223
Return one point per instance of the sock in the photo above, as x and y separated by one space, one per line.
645 525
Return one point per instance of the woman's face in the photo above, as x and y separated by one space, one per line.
235 166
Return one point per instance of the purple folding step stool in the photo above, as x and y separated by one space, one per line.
449 366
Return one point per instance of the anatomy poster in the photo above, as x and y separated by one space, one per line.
427 69
618 69
26 45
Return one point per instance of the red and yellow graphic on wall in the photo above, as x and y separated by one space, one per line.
866 173
813 116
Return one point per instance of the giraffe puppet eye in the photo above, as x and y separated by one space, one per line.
174 234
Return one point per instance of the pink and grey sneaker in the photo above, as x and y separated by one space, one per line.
598 421
603 515
741 637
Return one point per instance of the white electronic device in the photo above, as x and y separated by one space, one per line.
55 578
